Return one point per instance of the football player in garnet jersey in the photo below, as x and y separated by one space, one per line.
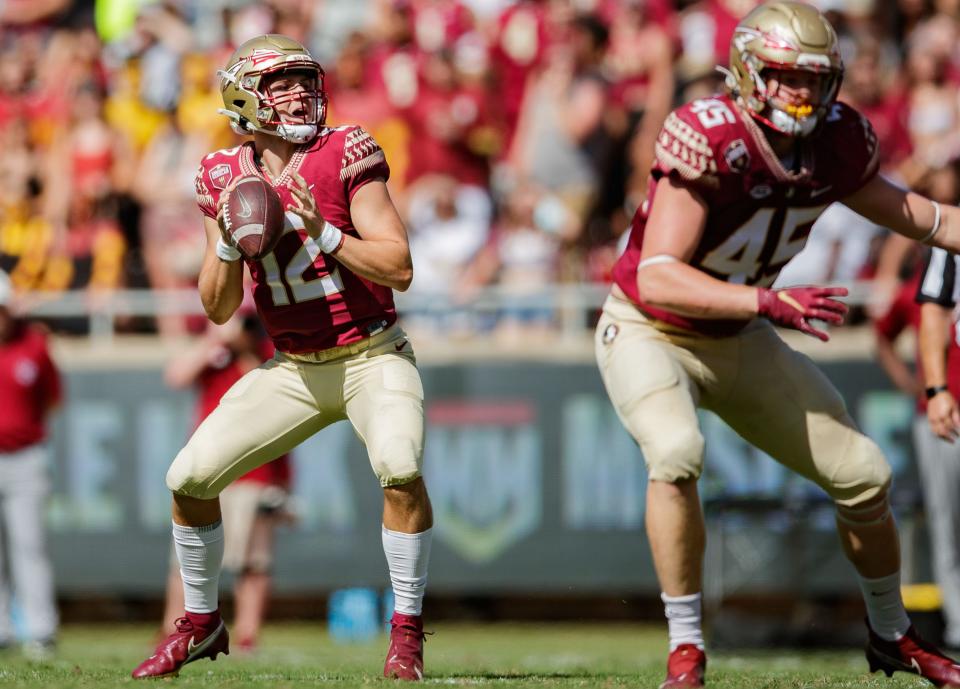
737 182
325 296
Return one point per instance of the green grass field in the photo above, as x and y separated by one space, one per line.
507 656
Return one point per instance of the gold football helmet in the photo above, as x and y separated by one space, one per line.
784 35
248 104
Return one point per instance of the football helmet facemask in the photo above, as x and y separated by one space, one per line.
247 101
784 35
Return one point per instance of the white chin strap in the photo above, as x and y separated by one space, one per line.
294 133
788 124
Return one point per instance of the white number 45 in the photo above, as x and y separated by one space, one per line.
712 112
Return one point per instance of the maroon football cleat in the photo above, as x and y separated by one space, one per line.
405 655
686 667
187 644
912 654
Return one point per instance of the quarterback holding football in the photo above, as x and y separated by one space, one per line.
737 183
323 276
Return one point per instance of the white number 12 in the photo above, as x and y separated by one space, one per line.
317 287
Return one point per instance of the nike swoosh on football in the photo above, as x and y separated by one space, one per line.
245 209
814 193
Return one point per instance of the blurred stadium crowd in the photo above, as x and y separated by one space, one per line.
519 133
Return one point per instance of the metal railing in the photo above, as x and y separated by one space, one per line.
570 307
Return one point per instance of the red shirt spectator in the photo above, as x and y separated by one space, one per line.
447 124
522 38
437 24
904 313
29 383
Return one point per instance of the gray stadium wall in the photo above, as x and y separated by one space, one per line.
535 485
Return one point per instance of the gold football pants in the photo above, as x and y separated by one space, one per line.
272 409
776 398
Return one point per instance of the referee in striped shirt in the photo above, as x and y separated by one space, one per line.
938 454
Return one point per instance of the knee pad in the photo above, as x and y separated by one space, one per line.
861 477
674 455
188 476
396 460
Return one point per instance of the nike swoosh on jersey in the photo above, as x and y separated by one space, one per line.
814 193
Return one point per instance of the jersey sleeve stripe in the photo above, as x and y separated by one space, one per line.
356 168
687 135
939 279
682 148
955 292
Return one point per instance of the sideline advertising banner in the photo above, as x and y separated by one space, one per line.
535 485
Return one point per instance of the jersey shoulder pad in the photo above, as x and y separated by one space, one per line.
692 137
205 200
214 174
360 152
853 141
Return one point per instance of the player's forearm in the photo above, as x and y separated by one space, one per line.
898 372
948 236
221 288
933 340
384 262
907 213
684 290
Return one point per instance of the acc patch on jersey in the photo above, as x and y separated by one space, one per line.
360 151
737 156
221 175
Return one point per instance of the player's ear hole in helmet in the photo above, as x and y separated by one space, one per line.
776 39
254 106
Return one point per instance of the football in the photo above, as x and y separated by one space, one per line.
253 215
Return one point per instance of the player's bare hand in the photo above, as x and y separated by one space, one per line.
795 307
944 416
305 206
221 204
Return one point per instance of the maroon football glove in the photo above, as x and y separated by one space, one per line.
793 307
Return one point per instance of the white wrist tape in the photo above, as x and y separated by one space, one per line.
227 253
936 224
330 238
659 259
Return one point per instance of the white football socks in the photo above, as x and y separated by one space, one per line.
200 552
407 557
885 610
684 619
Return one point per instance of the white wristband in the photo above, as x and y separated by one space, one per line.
330 238
936 224
227 253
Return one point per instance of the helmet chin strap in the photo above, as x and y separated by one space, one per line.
294 133
793 126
